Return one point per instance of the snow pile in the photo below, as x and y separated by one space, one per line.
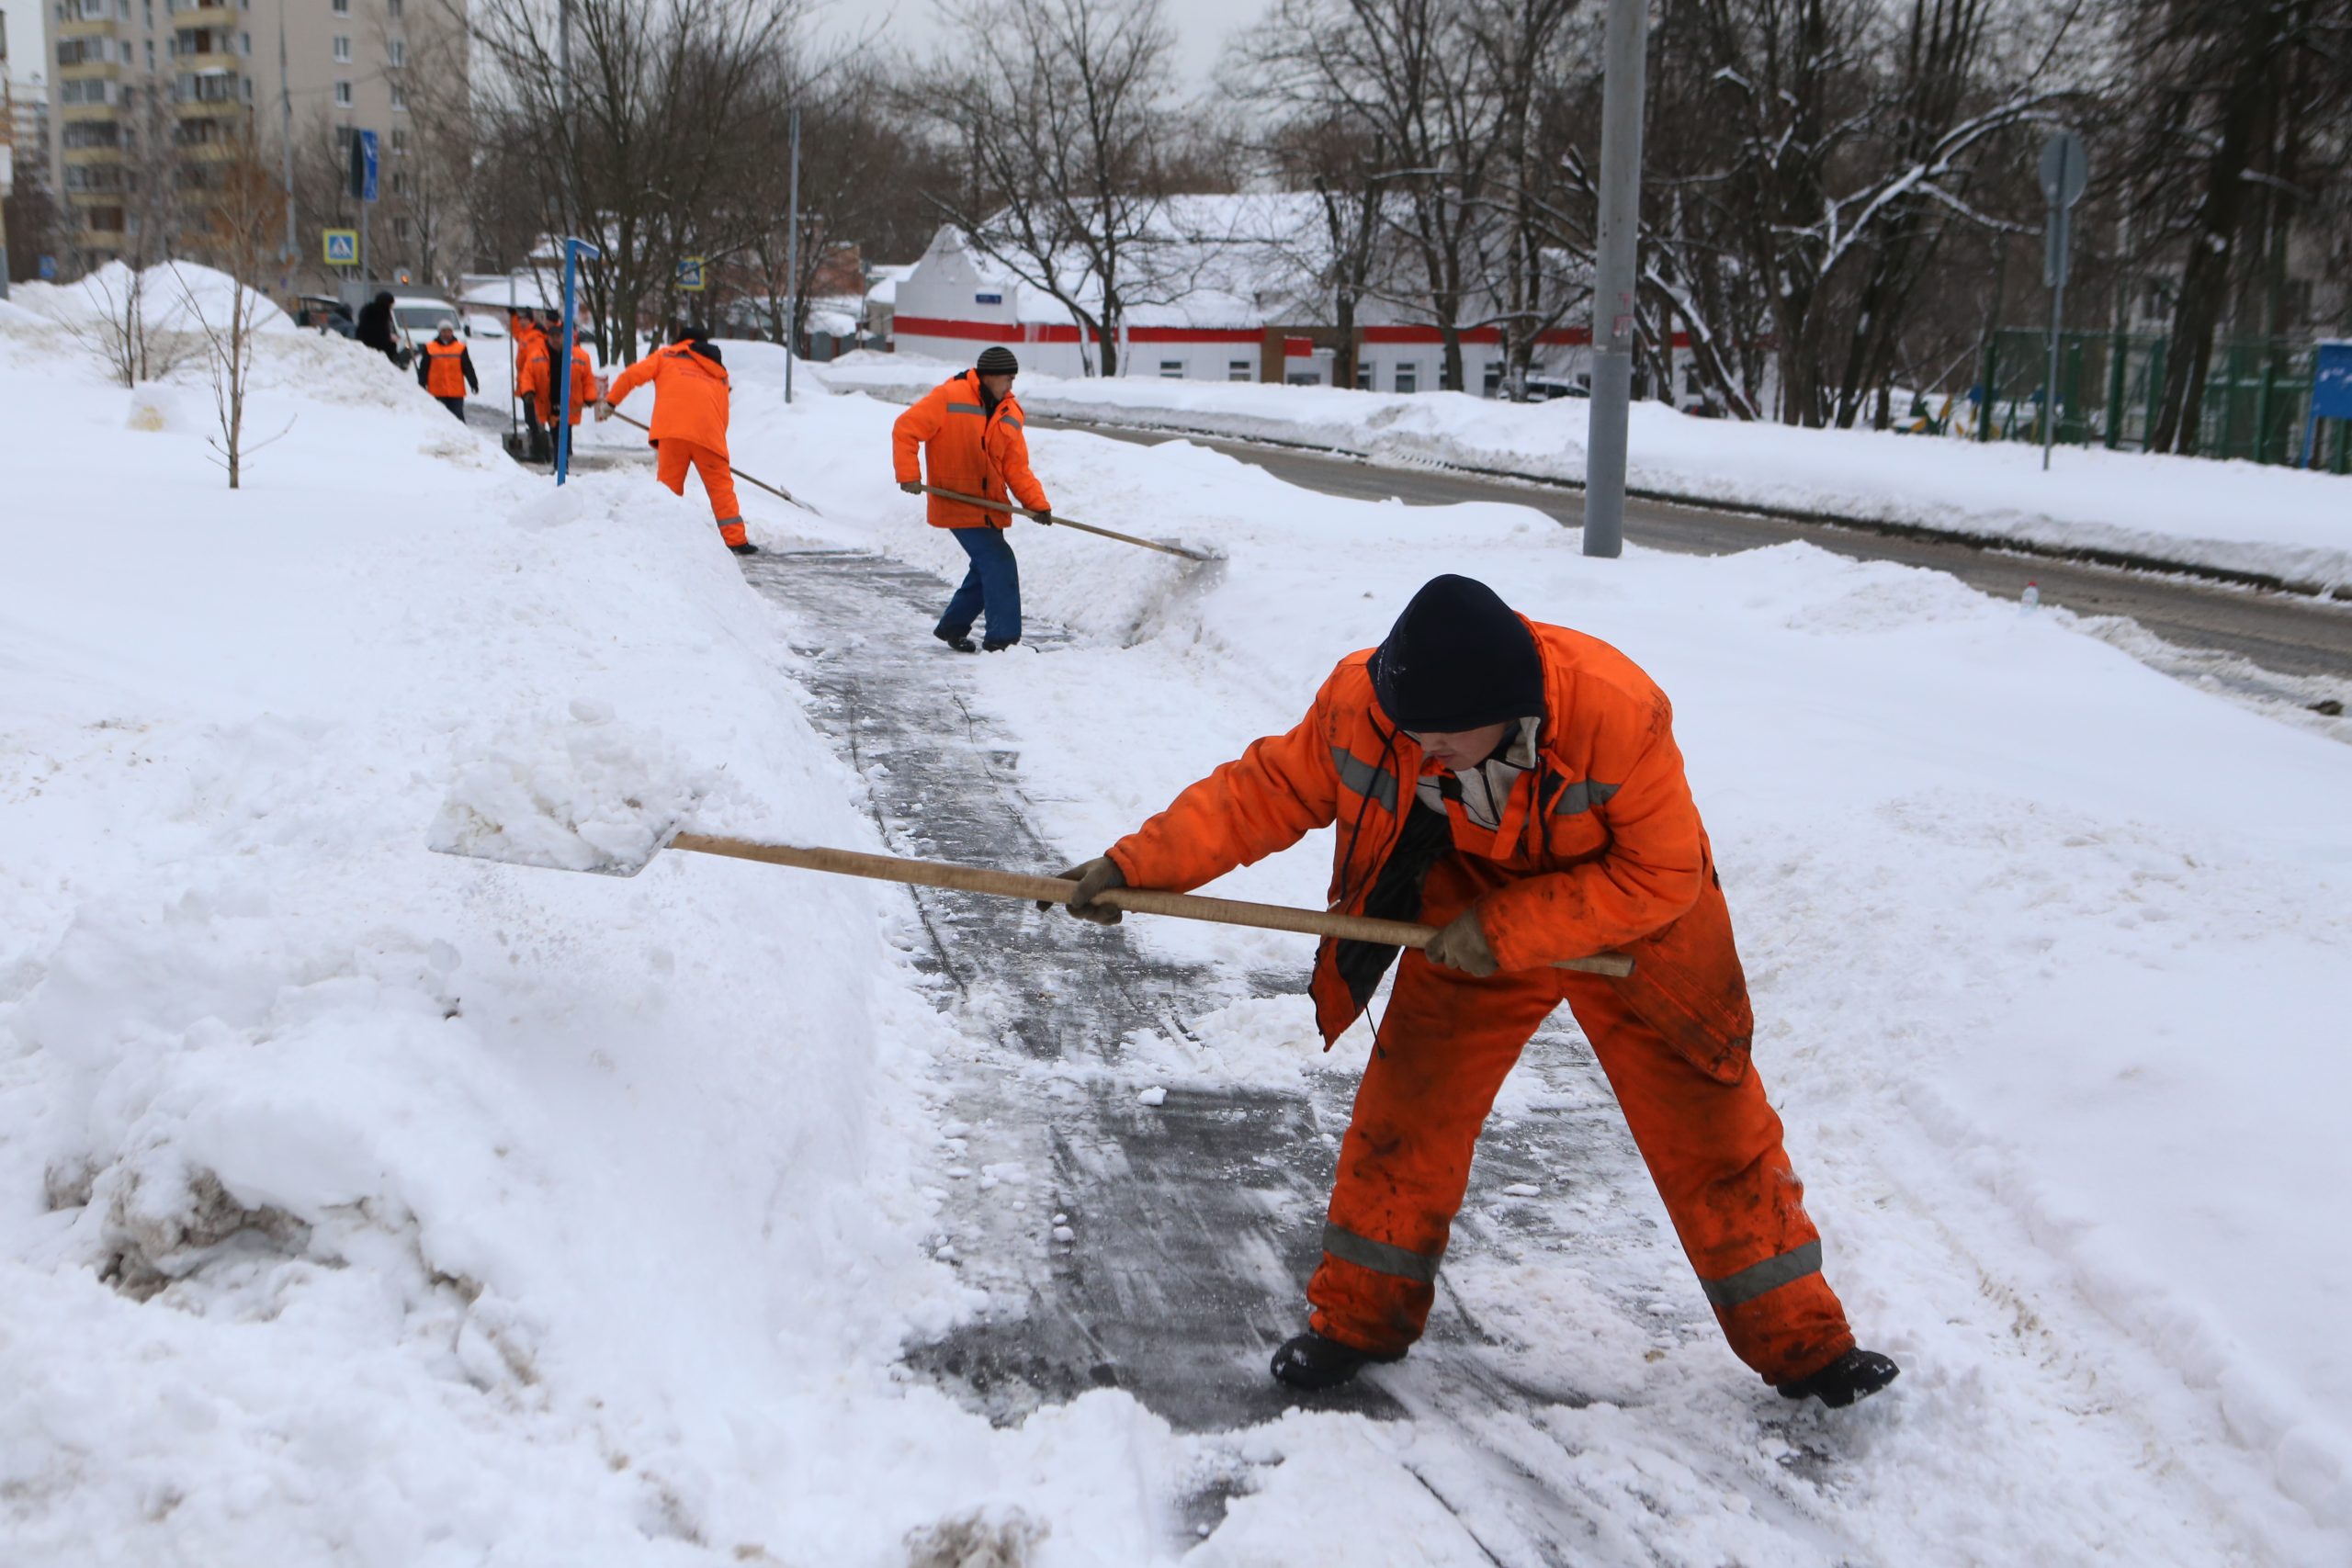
2234 516
174 296
585 796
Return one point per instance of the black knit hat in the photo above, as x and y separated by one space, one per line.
996 360
1457 659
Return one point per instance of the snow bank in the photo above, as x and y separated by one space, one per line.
2236 517
175 297
364 1204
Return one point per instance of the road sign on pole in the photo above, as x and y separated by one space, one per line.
694 275
342 247
2066 173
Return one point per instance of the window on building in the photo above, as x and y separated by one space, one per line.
401 228
1492 381
245 45
1408 377
123 10
1240 370
1171 369
247 82
342 95
340 8
400 141
1363 375
343 49
400 183
400 97
400 51
150 54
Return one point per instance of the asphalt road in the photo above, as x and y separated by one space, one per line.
2307 640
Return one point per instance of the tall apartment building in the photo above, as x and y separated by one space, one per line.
146 91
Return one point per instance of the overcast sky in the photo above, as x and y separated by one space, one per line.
1201 26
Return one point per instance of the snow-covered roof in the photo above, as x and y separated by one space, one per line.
884 288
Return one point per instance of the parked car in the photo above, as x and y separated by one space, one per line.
326 313
1543 389
416 317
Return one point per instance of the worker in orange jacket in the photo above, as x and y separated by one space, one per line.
970 433
689 425
533 374
1518 785
583 388
445 370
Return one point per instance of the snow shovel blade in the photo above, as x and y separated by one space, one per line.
600 849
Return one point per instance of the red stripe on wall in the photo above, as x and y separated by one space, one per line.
1293 348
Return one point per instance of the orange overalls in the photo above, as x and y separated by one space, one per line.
689 426
1598 847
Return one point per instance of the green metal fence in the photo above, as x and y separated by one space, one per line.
2110 385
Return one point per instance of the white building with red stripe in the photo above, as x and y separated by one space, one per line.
1229 291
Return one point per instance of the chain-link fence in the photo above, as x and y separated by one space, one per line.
2111 390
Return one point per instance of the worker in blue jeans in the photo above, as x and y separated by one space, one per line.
967 431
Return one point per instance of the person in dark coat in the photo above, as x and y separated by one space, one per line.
376 328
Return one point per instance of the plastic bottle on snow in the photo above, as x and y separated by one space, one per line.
2027 599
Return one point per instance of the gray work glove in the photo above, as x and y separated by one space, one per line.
1462 944
912 487
1043 517
1093 876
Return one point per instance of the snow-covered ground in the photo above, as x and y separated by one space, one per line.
2240 517
361 1204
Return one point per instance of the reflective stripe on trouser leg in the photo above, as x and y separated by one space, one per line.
1445 1045
1715 1151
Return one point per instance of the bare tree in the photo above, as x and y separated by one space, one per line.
244 210
1061 113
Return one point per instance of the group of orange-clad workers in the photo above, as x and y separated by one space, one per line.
689 430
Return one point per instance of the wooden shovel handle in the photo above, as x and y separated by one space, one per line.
1052 521
779 493
1142 900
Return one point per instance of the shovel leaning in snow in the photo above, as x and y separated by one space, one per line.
1054 890
1050 520
776 490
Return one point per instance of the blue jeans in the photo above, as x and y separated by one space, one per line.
993 581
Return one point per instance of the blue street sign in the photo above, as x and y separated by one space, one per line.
987 299
368 156
2331 392
48 269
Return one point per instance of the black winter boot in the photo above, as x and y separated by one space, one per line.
997 644
745 548
1854 1375
1310 1361
960 641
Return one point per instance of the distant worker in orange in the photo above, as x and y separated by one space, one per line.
533 373
689 425
970 429
445 370
1517 786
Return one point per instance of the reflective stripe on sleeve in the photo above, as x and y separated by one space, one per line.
1379 1256
1580 796
1011 420
1756 1279
966 408
1363 778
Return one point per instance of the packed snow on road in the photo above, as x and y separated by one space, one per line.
361 1203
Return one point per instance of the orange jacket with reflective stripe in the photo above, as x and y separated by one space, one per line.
584 385
531 367
690 396
444 368
1599 846
967 448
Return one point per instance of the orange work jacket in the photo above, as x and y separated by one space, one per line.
444 368
531 369
584 385
967 448
690 396
1598 847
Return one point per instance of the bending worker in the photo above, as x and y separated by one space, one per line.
445 370
689 425
1518 785
970 429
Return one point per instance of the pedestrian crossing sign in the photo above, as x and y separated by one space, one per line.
343 247
690 274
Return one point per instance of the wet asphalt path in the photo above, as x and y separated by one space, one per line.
1163 1250
2288 635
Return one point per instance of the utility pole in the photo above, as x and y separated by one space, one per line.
286 140
1623 46
791 264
